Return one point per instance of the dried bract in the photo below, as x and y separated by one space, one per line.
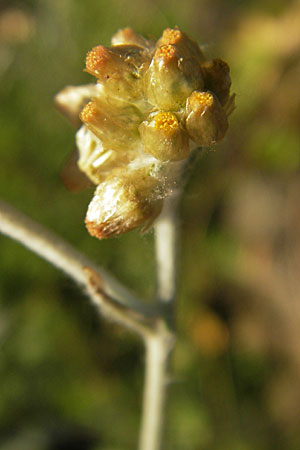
151 103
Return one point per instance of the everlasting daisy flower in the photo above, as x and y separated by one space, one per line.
153 102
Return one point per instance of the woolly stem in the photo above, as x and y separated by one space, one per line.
159 345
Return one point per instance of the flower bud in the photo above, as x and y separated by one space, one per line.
127 36
164 138
118 69
217 79
102 62
206 120
187 47
123 203
149 101
171 78
114 131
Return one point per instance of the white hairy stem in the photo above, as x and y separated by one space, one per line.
158 348
159 345
62 255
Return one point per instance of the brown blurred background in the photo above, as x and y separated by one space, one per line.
69 380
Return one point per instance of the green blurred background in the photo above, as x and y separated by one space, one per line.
68 379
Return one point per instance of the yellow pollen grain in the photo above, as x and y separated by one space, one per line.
166 122
166 51
204 98
95 58
89 112
172 36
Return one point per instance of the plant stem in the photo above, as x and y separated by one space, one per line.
62 255
166 250
159 344
158 348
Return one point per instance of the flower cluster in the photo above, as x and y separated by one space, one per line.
152 102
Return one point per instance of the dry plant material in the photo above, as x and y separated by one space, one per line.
153 102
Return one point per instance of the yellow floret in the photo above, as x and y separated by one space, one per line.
96 58
89 113
172 35
166 121
166 51
202 98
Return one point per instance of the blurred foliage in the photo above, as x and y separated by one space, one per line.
69 380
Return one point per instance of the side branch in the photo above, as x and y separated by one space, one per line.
62 255
117 312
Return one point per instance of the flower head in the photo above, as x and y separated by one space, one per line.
151 103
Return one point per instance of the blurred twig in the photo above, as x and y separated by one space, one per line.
62 255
